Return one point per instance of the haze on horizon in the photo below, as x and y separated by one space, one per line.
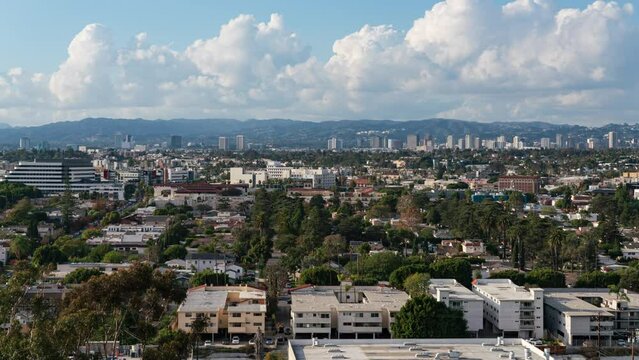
554 61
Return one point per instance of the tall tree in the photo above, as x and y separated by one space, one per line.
423 317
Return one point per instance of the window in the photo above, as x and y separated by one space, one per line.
324 316
257 314
236 315
187 315
348 324
257 324
299 315
375 315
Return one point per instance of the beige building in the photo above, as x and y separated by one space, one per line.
358 311
231 310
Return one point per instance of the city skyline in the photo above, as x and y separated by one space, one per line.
559 62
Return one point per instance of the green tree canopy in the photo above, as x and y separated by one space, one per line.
425 317
209 277
48 254
80 275
417 284
319 275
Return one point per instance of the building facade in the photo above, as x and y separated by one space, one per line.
351 312
511 310
227 310
455 296
524 184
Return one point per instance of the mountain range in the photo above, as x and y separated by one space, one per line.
280 132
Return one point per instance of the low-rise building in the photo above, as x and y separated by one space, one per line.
579 315
344 311
455 296
511 310
228 310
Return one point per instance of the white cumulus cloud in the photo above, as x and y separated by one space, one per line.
470 59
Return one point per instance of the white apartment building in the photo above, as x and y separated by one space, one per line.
341 311
318 178
579 315
215 262
455 296
229 310
511 310
239 175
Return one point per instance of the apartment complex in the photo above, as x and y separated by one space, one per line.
342 311
229 310
511 310
56 176
595 315
455 296
524 184
313 178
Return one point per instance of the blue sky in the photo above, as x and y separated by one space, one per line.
485 60
34 34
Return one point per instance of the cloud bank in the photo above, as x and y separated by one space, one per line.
467 59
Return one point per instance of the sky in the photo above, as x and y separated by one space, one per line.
484 60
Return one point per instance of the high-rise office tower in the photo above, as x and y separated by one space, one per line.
412 140
460 144
545 143
375 142
223 143
559 141
335 144
450 142
176 142
468 141
239 142
477 143
25 143
612 140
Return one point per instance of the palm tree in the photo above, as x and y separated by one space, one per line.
555 240
619 292
503 223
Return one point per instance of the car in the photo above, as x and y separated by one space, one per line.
535 342
281 340
622 342
235 340
287 331
269 341
280 329
252 341
208 343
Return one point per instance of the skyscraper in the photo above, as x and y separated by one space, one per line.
335 144
612 140
25 143
559 141
412 140
223 143
468 141
176 142
477 143
545 143
450 142
375 142
239 142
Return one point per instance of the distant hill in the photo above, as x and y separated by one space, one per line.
278 132
4 126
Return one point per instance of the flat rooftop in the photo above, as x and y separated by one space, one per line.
456 290
324 298
394 349
204 301
503 289
573 301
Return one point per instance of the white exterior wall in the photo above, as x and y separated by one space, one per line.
311 323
